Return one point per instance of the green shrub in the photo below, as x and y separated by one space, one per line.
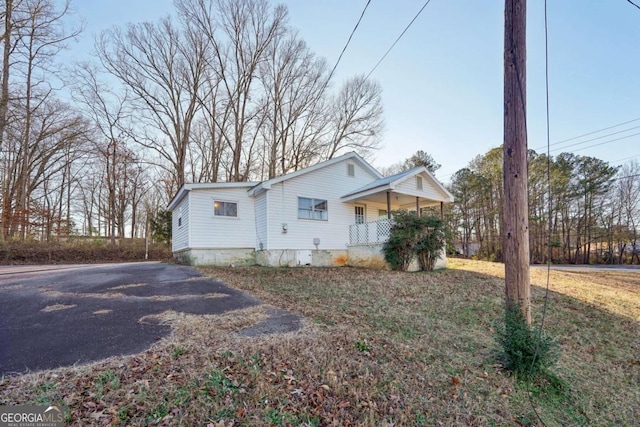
414 236
430 241
399 248
517 343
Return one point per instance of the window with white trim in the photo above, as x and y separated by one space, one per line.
309 208
180 216
224 208
419 182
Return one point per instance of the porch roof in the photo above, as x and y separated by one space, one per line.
433 190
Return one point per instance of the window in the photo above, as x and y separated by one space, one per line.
312 209
360 215
351 169
419 182
221 208
180 216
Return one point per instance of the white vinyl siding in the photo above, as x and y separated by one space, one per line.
211 231
428 191
261 221
328 183
180 225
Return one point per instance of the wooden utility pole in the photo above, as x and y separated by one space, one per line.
516 207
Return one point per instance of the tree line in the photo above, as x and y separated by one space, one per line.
220 90
590 215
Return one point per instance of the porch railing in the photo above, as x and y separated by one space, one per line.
370 232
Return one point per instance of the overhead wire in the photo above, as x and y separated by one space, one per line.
346 45
550 217
634 4
592 132
594 145
588 140
442 177
625 158
398 39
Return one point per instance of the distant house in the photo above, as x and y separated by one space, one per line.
333 213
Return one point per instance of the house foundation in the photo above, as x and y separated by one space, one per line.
365 256
217 257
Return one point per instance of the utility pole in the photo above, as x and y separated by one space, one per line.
516 207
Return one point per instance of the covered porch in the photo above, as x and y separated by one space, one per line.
374 227
413 190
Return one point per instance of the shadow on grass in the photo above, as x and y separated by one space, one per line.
446 318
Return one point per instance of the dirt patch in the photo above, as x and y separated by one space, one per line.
278 322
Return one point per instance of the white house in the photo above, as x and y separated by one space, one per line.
333 213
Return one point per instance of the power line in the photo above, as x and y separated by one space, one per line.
592 132
596 145
625 177
443 177
345 46
633 4
589 140
625 158
550 217
398 39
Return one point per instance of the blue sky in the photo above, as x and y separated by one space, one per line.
442 83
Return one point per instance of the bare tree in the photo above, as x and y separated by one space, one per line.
109 113
356 118
293 80
163 66
34 33
239 33
629 199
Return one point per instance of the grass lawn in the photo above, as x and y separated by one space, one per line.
378 348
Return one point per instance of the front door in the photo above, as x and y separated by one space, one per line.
361 227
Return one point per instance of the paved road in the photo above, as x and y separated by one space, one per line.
53 316
611 268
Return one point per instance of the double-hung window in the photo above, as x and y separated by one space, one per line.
222 208
309 208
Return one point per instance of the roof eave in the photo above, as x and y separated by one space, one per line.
365 193
178 197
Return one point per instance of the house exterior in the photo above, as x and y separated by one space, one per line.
333 213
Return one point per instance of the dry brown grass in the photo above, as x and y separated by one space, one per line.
377 348
57 307
118 295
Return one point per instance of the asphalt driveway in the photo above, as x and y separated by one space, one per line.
52 316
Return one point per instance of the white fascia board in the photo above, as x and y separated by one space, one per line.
366 193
